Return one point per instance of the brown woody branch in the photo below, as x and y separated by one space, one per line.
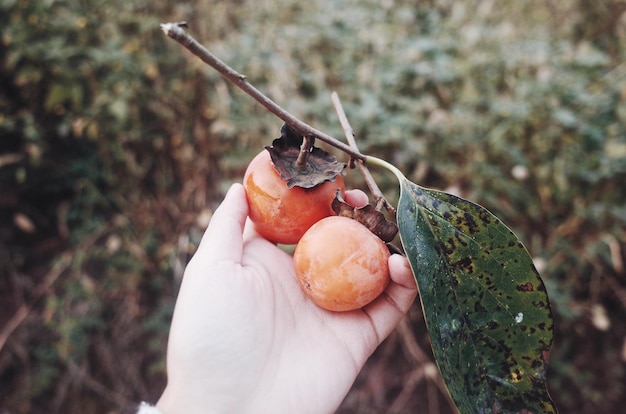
176 32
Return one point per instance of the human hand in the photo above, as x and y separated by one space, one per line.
244 337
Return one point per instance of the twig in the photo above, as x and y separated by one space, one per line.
176 32
40 290
378 195
64 262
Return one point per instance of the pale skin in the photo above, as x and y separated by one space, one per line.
245 339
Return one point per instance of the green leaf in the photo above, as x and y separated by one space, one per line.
485 306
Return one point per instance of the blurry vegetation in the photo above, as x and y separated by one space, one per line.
115 144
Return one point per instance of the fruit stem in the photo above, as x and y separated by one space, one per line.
176 32
386 165
305 150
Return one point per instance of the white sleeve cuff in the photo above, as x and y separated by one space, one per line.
145 408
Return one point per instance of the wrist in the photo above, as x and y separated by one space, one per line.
145 408
172 402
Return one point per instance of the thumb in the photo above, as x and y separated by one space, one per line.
223 238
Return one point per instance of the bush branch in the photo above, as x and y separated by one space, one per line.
176 32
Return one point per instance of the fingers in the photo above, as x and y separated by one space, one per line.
356 198
388 309
223 238
402 275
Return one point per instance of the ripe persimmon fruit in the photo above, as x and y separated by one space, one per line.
282 214
341 265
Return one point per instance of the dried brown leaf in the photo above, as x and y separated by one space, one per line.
320 166
374 220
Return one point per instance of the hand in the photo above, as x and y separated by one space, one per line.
245 339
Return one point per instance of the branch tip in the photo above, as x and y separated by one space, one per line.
170 29
166 27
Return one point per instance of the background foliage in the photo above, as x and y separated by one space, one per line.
115 145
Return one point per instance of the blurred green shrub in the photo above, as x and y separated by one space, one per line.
115 141
96 134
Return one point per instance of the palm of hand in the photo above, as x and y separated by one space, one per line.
246 339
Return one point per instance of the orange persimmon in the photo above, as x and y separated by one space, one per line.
341 265
282 214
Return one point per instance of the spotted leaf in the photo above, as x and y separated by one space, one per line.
485 306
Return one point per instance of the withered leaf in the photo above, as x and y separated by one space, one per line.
374 220
320 165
